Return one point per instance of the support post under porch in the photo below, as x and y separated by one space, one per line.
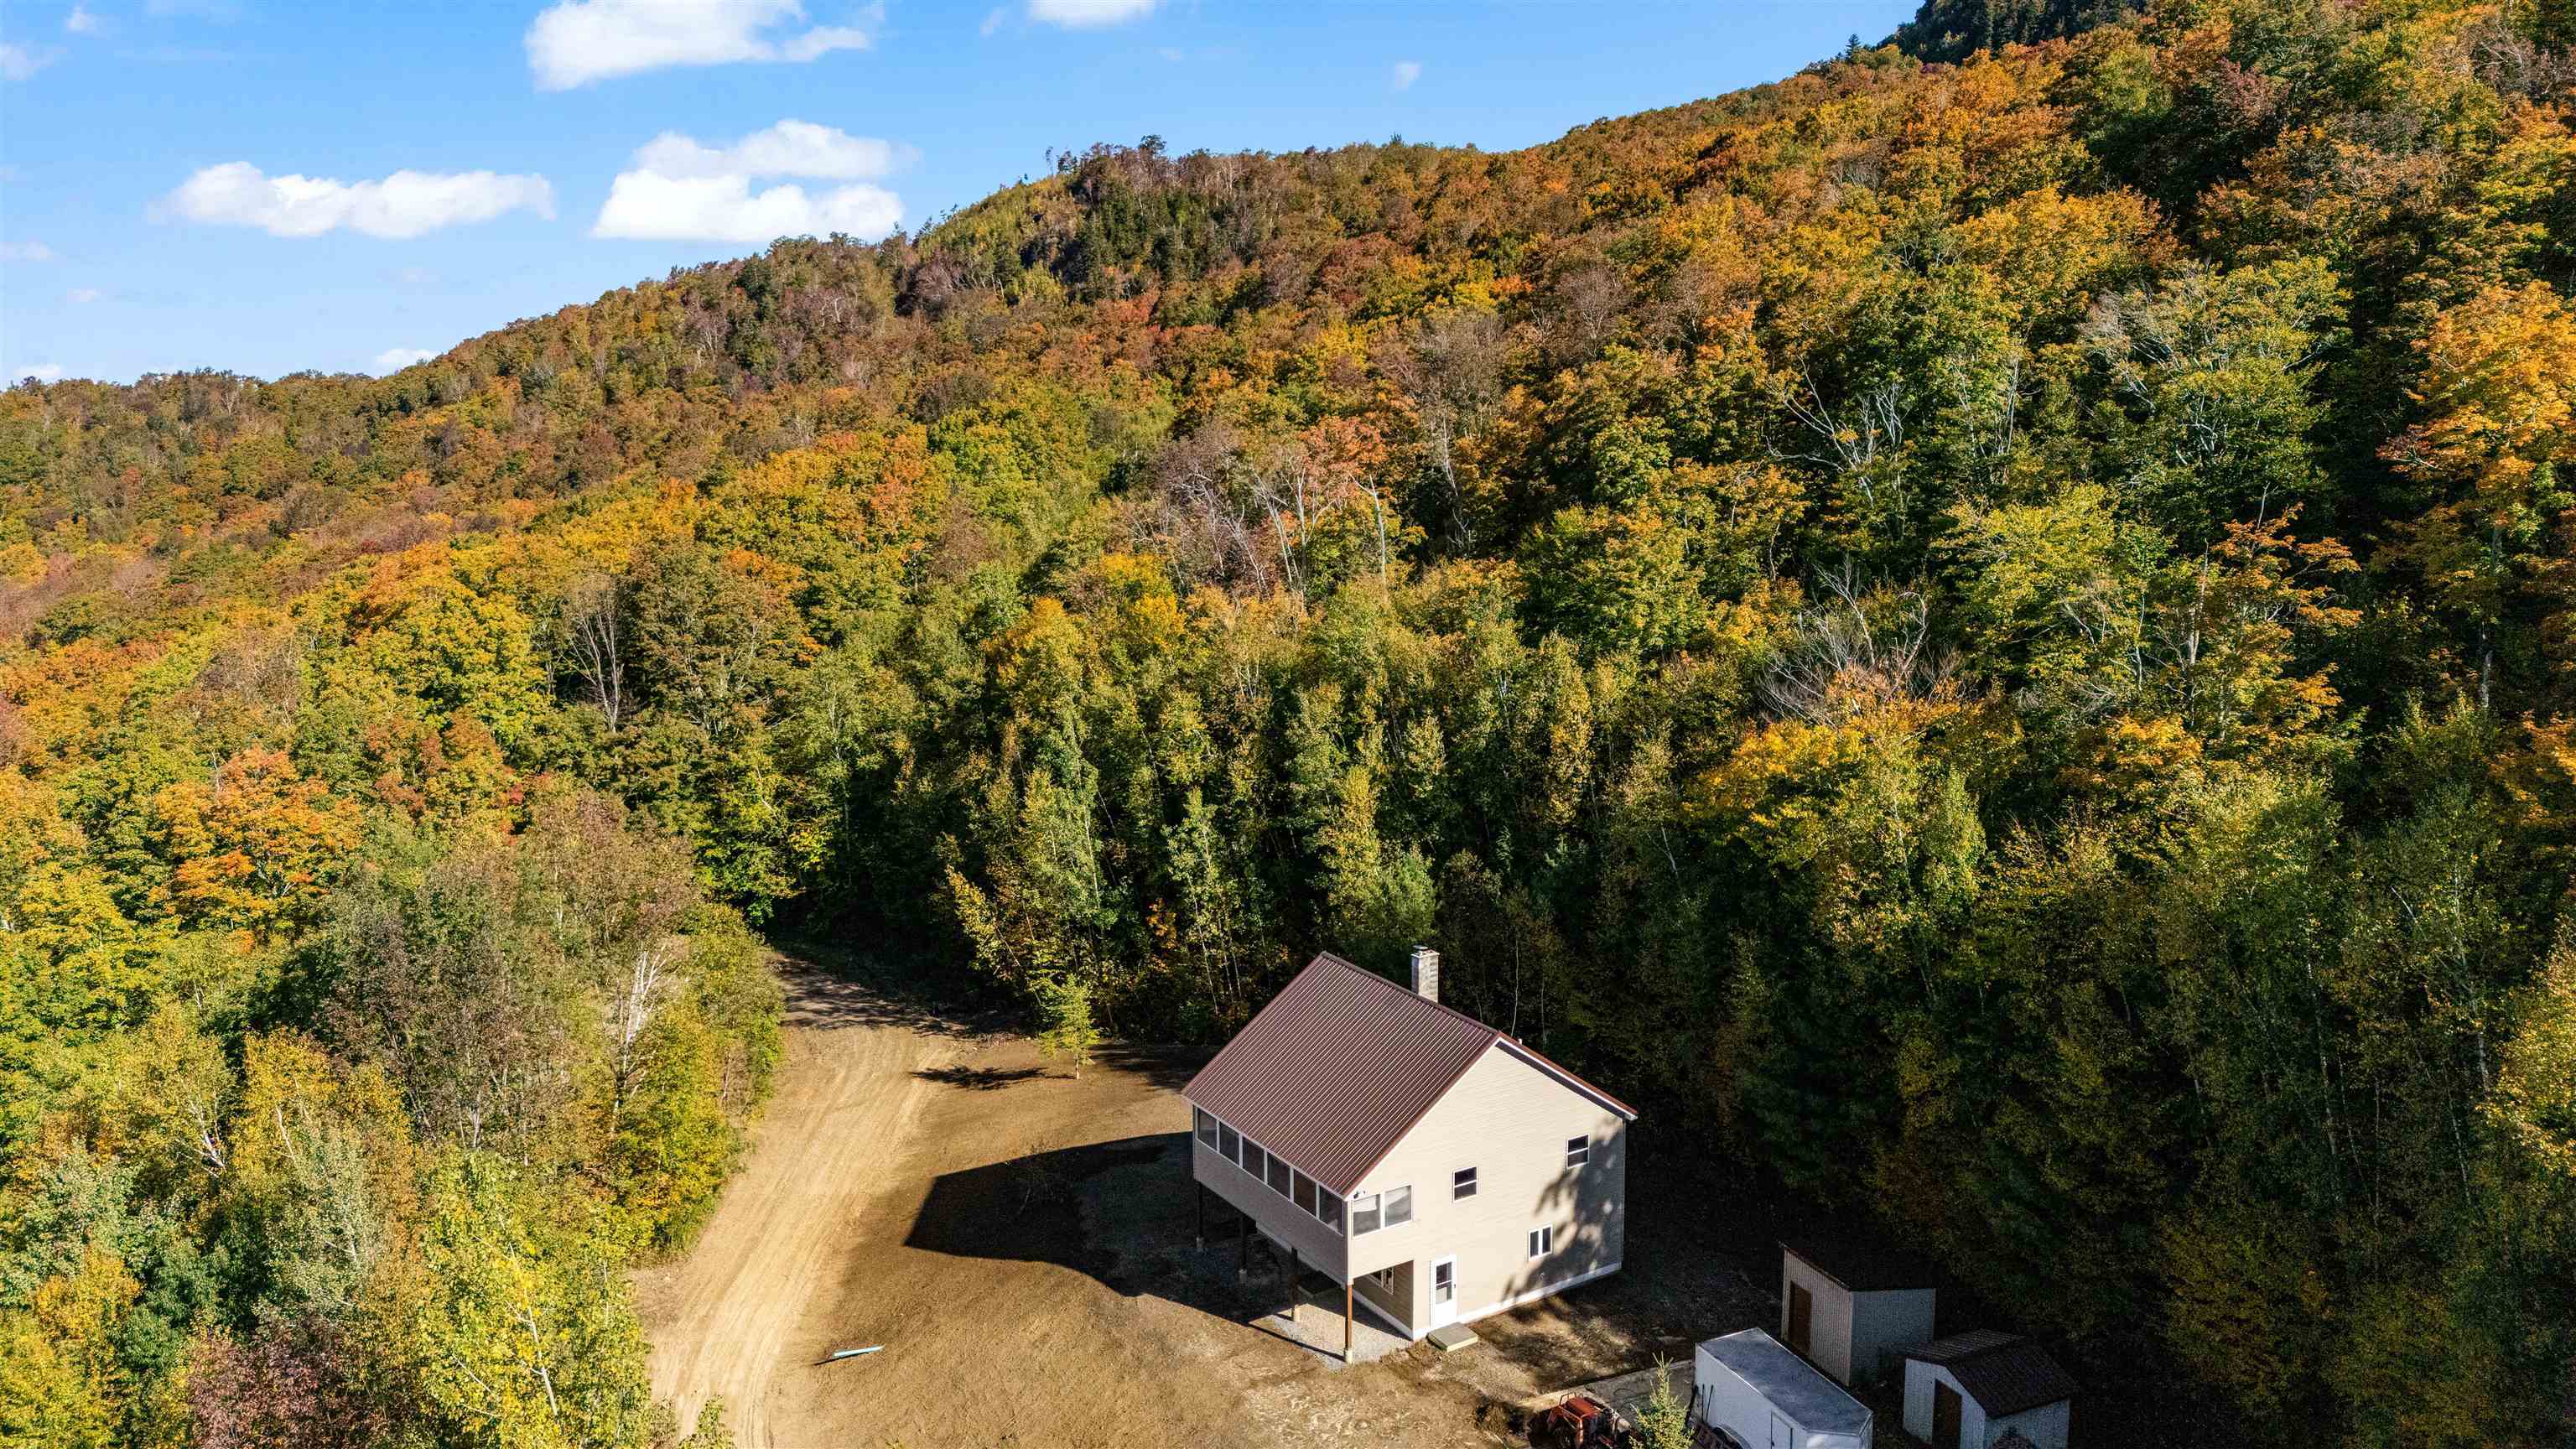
1348 1309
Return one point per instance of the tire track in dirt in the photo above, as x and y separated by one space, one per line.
724 1319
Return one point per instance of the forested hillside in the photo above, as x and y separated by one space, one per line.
1990 636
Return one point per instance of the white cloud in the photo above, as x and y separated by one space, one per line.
25 252
1083 14
41 372
993 19
404 204
576 42
790 148
17 62
679 189
395 359
82 22
83 296
1406 73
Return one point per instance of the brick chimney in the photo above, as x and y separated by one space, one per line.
1426 973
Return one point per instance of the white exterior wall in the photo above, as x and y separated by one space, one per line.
1883 1326
1720 1397
2046 1427
1919 1379
1829 1332
1510 1121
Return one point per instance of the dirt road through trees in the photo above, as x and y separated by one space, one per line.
1022 1244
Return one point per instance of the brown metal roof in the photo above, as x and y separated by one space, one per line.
1341 1064
2005 1373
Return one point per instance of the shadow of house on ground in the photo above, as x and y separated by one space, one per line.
1121 1212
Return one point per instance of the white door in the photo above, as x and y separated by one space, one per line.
1782 1435
1444 1291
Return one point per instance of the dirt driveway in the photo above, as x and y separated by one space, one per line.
1021 1244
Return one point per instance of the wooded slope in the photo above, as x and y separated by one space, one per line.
1991 638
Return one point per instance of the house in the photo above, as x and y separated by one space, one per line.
1436 1168
1751 1392
1851 1304
1977 1390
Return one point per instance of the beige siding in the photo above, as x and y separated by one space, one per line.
1510 1121
1829 1333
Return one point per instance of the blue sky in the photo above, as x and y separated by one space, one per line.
467 163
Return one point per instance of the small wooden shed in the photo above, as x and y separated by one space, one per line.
1978 1390
1755 1394
1851 1304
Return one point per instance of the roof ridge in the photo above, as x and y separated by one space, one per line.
1435 1003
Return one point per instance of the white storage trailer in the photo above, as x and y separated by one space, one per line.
1750 1388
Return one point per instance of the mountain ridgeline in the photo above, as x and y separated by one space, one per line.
1988 631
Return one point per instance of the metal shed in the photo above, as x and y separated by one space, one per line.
1750 1388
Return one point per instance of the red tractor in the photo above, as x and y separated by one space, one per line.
1578 1421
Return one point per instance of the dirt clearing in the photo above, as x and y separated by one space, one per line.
1021 1244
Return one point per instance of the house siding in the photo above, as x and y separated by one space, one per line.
1317 1246
1510 1121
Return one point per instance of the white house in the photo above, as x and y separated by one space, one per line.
1972 1390
1436 1168
1850 1304
1755 1394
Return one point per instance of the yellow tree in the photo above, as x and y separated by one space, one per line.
254 848
2499 395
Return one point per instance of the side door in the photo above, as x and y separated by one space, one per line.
1945 1416
1802 1320
1444 1290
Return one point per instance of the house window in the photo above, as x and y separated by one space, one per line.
1328 1208
1542 1241
1207 1127
1255 1161
1578 1151
1364 1214
1302 1192
1462 1183
1384 1278
1229 1144
1399 1206
1278 1175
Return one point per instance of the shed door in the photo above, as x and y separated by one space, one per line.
1945 1416
1784 1435
1802 1317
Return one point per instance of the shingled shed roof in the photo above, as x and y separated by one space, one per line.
1341 1064
2004 1372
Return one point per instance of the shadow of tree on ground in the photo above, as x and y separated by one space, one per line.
978 1079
